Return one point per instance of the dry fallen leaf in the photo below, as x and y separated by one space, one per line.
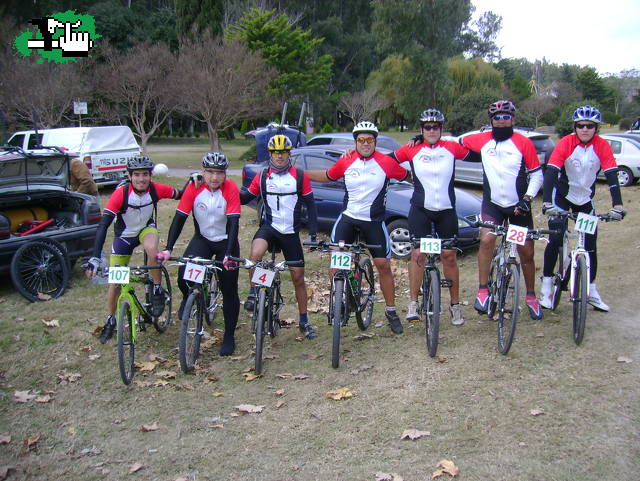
414 434
64 376
624 359
23 396
160 383
279 392
43 399
447 467
86 348
93 357
279 404
210 378
218 394
249 408
379 324
443 359
285 375
141 383
146 365
215 426
134 468
166 374
149 427
43 297
155 357
92 451
181 479
299 377
71 430
537 412
51 322
5 438
337 394
380 476
363 336
31 441
249 376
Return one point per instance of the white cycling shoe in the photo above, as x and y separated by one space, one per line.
546 293
595 300
412 311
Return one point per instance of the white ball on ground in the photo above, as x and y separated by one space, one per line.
160 169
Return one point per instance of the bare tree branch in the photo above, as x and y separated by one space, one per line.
363 105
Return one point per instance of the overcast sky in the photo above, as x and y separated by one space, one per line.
602 34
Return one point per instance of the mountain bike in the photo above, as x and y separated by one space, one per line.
504 278
265 320
573 269
132 315
202 303
430 290
352 287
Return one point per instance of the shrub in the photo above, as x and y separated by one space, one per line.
625 123
564 124
326 128
251 154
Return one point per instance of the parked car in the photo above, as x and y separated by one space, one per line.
44 227
329 197
340 139
105 150
626 150
471 172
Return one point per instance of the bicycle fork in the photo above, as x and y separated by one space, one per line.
580 251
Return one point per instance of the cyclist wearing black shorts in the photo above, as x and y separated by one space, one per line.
283 189
215 205
366 174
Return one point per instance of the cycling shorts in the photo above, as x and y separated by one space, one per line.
122 247
371 232
289 244
422 221
495 214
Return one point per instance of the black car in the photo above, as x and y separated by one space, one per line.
329 197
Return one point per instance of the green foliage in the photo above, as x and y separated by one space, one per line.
564 124
292 51
469 111
625 123
326 128
471 74
251 154
520 88
592 86
199 16
511 67
390 80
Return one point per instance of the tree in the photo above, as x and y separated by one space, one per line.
536 106
471 74
469 111
363 105
483 34
390 80
221 83
589 83
142 82
198 16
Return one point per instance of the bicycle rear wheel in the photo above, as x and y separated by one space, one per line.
162 322
430 308
508 305
338 307
190 332
491 283
126 343
580 286
260 328
367 288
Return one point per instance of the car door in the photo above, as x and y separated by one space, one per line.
329 196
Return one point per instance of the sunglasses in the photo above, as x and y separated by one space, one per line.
502 117
280 152
586 126
431 127
368 140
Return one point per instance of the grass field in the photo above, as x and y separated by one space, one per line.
477 405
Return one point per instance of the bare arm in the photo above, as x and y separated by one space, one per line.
317 175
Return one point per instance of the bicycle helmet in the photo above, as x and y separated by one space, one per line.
587 112
279 142
501 106
139 162
431 115
215 160
365 127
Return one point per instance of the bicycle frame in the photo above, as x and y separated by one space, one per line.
137 308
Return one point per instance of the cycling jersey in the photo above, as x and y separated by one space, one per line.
511 168
139 210
432 168
579 165
366 183
210 209
282 200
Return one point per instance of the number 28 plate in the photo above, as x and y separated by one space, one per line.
517 234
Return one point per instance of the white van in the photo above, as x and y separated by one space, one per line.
105 150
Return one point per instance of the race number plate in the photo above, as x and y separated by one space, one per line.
586 223
263 277
194 273
340 260
429 245
119 275
517 234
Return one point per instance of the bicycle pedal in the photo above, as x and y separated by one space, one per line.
446 283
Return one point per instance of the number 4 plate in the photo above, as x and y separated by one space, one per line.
517 234
586 223
263 277
429 245
193 273
119 275
340 260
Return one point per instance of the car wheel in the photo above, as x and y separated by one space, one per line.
625 177
399 234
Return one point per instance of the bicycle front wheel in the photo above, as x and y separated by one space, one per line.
214 296
190 332
508 305
126 342
367 288
260 328
338 308
580 286
162 322
430 307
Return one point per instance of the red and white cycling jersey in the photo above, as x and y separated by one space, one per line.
283 206
366 183
139 212
579 165
507 165
210 209
433 168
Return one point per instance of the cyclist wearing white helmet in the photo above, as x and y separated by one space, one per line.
366 174
432 164
512 177
284 189
133 206
569 185
215 205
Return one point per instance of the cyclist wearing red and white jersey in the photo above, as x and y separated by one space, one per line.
569 185
511 178
132 205
433 202
366 175
215 205
284 190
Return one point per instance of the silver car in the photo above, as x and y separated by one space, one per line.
626 150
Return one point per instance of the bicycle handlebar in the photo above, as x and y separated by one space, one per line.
446 243
574 216
196 260
325 246
266 264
